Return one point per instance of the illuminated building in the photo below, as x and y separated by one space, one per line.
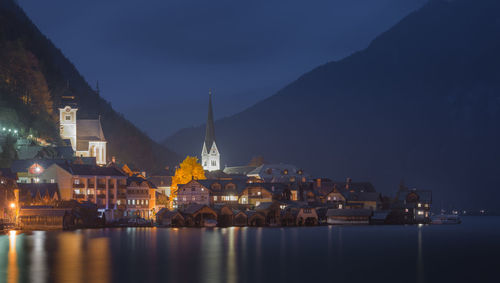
86 136
210 155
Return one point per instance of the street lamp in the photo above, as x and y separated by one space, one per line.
12 205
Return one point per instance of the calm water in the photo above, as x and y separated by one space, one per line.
469 252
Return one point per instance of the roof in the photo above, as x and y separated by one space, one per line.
92 170
240 185
43 189
193 208
276 173
353 196
87 131
423 195
210 128
161 181
239 170
22 165
348 212
139 181
43 211
356 186
167 213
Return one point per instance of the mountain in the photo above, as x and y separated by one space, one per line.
35 75
421 104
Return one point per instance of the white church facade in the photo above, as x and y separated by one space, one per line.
86 136
210 155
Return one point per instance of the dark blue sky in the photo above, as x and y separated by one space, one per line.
155 60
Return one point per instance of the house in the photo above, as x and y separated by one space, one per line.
163 183
224 192
415 205
240 218
192 193
254 194
307 216
271 210
366 200
168 218
196 214
138 199
335 198
348 216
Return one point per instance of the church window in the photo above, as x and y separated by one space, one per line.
68 117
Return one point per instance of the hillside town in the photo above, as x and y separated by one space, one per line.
76 185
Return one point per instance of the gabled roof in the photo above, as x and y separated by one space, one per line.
22 165
193 208
87 131
42 189
139 181
91 170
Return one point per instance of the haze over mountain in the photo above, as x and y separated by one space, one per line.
34 75
421 103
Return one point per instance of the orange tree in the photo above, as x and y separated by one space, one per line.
188 170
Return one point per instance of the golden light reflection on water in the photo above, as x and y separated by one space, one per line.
232 272
12 269
38 269
98 260
69 258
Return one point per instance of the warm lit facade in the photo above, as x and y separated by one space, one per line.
140 197
86 136
193 193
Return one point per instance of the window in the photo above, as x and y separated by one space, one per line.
420 212
118 202
193 198
258 193
77 181
77 191
215 198
52 181
133 201
307 210
147 202
419 205
193 189
68 117
128 201
340 206
184 198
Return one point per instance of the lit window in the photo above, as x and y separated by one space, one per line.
328 198
419 205
258 193
184 198
193 198
77 181
128 201
118 202
77 192
52 181
340 206
420 212
147 202
133 201
215 198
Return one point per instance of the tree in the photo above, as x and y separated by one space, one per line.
9 152
188 170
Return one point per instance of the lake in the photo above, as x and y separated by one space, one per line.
469 252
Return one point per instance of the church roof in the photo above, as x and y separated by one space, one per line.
210 130
87 131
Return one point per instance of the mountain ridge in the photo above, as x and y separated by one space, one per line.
424 92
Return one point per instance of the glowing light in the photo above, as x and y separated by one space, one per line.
3 129
10 130
15 131
12 205
37 169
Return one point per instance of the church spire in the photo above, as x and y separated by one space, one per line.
210 130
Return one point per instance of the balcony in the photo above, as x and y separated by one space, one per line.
79 186
111 186
91 185
101 186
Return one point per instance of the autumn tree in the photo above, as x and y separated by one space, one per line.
188 170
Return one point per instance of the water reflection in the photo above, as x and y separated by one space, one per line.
12 271
232 272
98 260
38 269
69 258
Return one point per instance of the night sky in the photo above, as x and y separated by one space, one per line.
156 62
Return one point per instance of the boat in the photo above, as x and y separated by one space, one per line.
210 223
446 219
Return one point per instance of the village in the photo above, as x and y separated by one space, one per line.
77 186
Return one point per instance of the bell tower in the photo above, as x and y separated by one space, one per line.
210 156
67 124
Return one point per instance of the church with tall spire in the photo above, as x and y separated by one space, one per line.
210 155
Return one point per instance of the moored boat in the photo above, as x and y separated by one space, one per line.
209 223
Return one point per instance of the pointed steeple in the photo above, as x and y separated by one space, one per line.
210 130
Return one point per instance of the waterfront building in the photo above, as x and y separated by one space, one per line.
224 215
348 216
415 205
45 218
240 218
192 193
140 199
38 194
210 155
255 218
254 194
83 182
169 218
195 215
366 200
224 192
85 135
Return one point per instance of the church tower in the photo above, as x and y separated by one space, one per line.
67 124
210 156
